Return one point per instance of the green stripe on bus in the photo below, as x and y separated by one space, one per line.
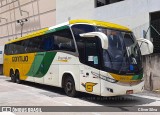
137 77
36 64
57 29
41 64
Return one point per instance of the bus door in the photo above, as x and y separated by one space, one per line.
89 72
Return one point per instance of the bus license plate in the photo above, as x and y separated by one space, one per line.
129 92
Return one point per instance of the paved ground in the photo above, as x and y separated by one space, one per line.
31 94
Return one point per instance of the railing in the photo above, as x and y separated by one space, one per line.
151 32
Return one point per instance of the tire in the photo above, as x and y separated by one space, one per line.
17 76
13 79
69 87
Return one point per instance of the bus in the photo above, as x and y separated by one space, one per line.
90 56
1 59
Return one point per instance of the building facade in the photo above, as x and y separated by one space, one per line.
26 16
135 14
138 15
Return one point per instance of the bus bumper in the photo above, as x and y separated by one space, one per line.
114 89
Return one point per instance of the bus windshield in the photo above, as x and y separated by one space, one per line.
123 55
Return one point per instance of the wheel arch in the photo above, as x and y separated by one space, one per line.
11 70
68 74
17 70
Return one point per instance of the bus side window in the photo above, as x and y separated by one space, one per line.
25 45
64 40
81 50
79 29
18 47
37 44
91 51
11 49
6 49
33 45
14 51
49 44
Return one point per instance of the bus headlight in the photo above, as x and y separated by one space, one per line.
108 79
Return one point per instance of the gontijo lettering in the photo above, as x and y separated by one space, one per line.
20 59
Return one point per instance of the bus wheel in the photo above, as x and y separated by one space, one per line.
69 87
13 79
17 77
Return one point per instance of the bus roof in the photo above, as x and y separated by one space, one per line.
101 23
64 25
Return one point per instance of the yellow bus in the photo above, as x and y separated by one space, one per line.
89 56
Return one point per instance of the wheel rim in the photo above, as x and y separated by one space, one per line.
17 78
12 77
69 87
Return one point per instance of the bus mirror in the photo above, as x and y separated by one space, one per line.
146 46
101 36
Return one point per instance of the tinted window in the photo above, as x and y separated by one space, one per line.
88 48
82 28
11 48
64 41
6 49
92 50
79 29
128 39
48 43
81 49
25 48
60 40
18 47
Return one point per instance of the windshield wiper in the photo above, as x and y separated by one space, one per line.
124 56
109 58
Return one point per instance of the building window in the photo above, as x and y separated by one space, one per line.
155 30
100 3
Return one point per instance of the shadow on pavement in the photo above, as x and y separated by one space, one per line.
117 101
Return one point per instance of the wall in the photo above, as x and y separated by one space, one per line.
151 71
80 9
40 14
134 13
